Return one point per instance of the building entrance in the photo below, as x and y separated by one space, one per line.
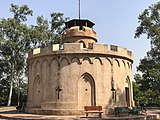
86 91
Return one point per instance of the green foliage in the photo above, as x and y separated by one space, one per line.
16 39
40 33
150 65
21 12
4 84
57 26
48 32
13 44
141 91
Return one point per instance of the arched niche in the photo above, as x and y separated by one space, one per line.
37 68
128 93
124 64
37 92
53 79
108 59
76 60
128 65
45 78
86 91
100 61
117 62
65 61
87 59
84 45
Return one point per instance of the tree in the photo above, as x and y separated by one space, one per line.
4 84
141 91
57 26
16 39
150 65
136 87
48 32
13 43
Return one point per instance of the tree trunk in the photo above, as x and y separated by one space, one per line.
11 88
10 91
19 91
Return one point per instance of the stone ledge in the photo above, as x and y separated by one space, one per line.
54 111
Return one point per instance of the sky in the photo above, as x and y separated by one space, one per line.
115 20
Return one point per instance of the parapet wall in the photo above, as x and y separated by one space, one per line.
75 31
72 48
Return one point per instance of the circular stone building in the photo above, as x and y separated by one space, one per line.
65 78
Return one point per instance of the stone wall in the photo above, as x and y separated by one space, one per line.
70 77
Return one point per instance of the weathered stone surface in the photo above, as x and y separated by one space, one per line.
62 80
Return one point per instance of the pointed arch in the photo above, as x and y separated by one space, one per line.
45 79
37 92
88 78
99 60
45 60
128 65
117 62
37 80
127 81
76 59
65 59
84 45
109 61
87 59
36 63
30 80
131 66
124 63
86 90
37 68
53 59
128 92
53 77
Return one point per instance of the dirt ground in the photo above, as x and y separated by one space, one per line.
12 113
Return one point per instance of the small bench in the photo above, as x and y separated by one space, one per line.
138 110
122 110
93 109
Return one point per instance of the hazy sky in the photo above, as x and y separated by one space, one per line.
115 20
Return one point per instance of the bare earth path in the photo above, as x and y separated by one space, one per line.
11 113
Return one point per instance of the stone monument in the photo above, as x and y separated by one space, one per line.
64 78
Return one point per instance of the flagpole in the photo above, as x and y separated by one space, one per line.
79 9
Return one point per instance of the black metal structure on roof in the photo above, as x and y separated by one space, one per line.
79 22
